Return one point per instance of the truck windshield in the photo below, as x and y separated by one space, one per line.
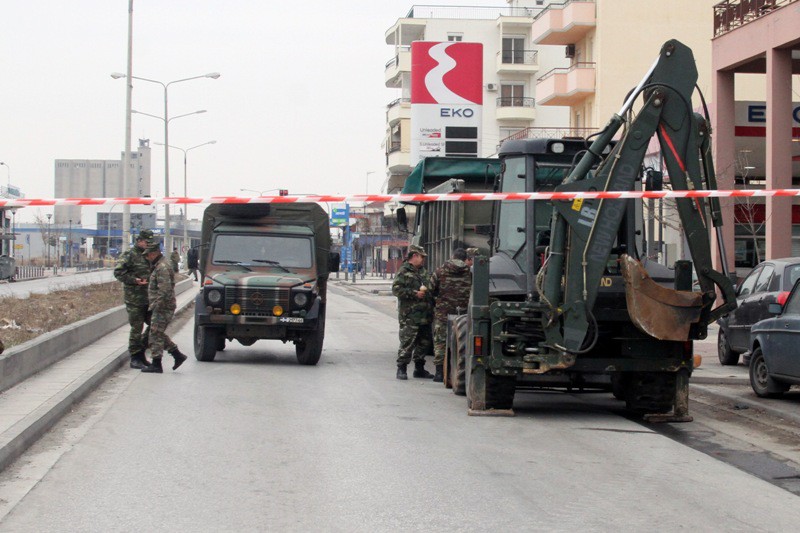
511 226
271 250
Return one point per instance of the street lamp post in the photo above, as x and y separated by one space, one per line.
13 212
49 233
185 194
69 246
166 119
8 170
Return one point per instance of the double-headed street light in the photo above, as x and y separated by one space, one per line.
185 193
166 119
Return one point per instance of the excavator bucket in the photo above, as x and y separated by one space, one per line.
663 313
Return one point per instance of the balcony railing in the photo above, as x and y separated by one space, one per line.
516 101
519 57
393 146
550 133
398 101
469 12
564 70
560 6
732 14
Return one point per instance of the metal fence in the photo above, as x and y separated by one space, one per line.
731 14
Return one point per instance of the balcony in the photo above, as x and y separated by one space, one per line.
395 67
397 110
731 14
565 23
517 61
566 86
515 108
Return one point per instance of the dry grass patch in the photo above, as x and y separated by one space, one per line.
22 319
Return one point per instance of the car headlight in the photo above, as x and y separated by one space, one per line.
214 297
300 299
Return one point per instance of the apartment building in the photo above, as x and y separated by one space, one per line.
511 65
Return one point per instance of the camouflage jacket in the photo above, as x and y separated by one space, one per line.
451 285
175 258
162 286
406 284
131 265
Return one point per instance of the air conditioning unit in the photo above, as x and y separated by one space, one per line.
569 51
491 87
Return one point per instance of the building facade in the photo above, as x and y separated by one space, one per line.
758 142
511 65
99 178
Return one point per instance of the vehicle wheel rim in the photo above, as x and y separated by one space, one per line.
761 373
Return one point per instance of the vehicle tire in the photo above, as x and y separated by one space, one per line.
618 386
500 391
458 365
650 392
205 343
309 349
727 357
761 382
220 343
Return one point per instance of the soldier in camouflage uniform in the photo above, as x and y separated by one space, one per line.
450 285
415 312
161 294
133 270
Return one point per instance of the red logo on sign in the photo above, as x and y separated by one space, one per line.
446 73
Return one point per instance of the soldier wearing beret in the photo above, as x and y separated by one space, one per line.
162 304
133 270
415 312
451 284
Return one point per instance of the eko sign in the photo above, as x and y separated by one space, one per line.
446 99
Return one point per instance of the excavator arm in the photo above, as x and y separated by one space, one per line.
585 233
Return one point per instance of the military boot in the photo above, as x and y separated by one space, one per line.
401 372
179 357
420 372
138 360
439 377
155 367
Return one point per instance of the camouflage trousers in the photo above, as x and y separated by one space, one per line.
138 316
439 341
415 341
159 340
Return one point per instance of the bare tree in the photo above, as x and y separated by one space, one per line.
51 235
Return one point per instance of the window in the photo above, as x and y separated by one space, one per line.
512 95
455 37
514 50
764 279
264 250
748 283
793 305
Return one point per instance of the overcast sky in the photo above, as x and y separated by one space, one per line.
300 103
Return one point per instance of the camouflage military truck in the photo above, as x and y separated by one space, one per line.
264 276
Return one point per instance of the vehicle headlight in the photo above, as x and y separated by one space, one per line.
300 299
214 297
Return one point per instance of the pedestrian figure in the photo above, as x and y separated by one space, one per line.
450 285
191 262
175 258
161 294
133 270
414 312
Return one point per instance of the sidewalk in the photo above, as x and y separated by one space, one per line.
31 408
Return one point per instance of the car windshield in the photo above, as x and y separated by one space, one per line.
286 251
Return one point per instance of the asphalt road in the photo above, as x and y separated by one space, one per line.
255 442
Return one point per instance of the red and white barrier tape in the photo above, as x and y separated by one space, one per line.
452 197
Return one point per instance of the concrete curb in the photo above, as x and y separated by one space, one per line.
26 432
738 399
23 361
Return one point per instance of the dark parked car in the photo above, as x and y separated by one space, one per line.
775 357
769 282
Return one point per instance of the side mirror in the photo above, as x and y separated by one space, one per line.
775 308
402 219
333 262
